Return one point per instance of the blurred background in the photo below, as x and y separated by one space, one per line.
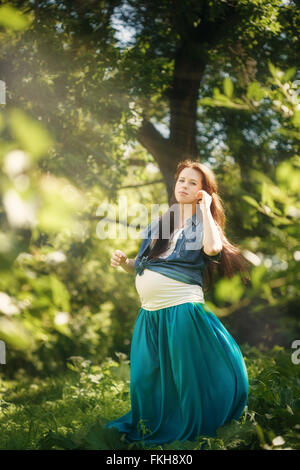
102 99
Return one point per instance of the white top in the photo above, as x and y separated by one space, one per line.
159 291
172 243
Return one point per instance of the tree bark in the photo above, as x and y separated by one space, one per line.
183 97
191 57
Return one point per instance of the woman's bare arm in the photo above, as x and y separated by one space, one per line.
129 265
120 259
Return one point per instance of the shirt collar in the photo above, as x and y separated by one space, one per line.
196 217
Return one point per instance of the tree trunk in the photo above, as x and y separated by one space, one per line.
191 58
183 97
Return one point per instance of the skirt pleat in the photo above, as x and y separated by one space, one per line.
187 376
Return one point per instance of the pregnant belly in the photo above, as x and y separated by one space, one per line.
158 291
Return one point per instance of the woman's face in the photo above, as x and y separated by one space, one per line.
189 182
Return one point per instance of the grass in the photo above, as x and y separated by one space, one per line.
69 411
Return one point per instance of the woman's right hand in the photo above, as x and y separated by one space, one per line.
118 259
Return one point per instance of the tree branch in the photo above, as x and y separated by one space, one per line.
143 184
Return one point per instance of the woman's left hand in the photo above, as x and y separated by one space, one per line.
205 199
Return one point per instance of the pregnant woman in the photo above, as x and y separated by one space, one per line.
188 375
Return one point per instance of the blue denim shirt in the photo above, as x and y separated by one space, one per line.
187 262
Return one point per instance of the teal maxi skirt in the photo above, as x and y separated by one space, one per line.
187 376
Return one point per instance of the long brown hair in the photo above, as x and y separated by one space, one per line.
232 260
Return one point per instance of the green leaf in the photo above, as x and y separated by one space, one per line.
266 196
228 87
60 294
251 201
260 434
229 290
29 133
296 119
272 69
257 275
289 73
11 18
14 333
255 91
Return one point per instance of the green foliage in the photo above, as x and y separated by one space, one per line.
69 411
13 19
64 150
229 290
271 204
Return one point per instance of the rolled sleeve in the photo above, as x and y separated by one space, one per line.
213 258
